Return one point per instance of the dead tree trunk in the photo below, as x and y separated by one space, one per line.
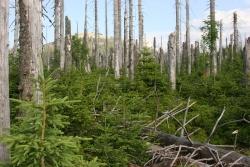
213 41
106 35
96 51
188 38
62 37
231 46
236 36
140 24
196 54
120 58
131 40
57 28
17 27
172 60
68 43
116 39
247 61
30 41
126 38
85 38
177 37
154 47
4 78
220 46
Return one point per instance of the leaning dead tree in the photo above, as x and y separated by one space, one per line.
131 40
140 24
177 38
174 151
30 41
172 60
4 78
213 54
116 39
68 44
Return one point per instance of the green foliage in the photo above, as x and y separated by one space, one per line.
210 33
79 52
38 135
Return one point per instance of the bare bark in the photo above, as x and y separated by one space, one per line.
68 43
57 27
236 35
220 46
4 78
17 28
106 34
85 38
96 50
154 47
188 38
126 39
231 46
131 40
177 38
140 24
30 41
213 49
62 37
116 39
172 60
247 61
196 54
120 58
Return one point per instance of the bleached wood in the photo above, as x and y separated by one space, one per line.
4 77
172 60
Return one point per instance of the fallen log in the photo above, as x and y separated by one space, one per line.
231 158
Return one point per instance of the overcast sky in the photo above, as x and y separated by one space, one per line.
159 17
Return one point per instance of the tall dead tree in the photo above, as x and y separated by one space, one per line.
57 12
126 38
177 35
247 61
188 38
96 51
172 60
4 78
236 35
120 34
68 44
154 47
220 46
140 24
62 37
116 39
17 27
85 36
196 54
213 54
30 41
131 40
106 34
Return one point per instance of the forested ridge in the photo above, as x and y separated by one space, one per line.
116 102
